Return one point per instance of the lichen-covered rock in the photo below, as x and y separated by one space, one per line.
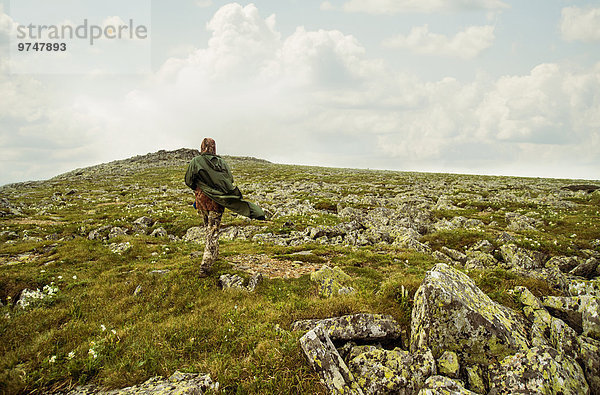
159 232
483 246
539 370
441 385
455 255
586 269
451 313
234 281
584 287
590 362
563 263
358 327
29 297
448 365
475 379
331 281
119 248
327 362
520 258
518 222
480 260
582 313
392 371
117 231
545 329
409 238
177 383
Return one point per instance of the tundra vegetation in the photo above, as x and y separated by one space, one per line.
99 279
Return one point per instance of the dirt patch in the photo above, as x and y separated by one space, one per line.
272 268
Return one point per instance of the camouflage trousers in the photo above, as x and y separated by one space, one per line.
212 223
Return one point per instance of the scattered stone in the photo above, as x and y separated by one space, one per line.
451 314
31 297
159 232
519 258
475 380
357 327
331 281
327 362
227 281
483 246
517 222
117 231
540 370
137 291
119 248
480 260
436 385
455 255
160 272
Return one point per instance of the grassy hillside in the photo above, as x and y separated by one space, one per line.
119 318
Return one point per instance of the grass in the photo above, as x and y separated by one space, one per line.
99 330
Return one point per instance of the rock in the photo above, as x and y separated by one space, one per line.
517 222
227 281
177 383
451 314
590 362
116 232
160 272
583 287
137 291
441 257
119 248
195 234
447 365
564 263
409 238
475 380
357 327
327 362
331 281
454 254
580 312
480 260
545 329
540 370
436 385
444 203
159 232
30 298
586 269
392 371
483 246
518 257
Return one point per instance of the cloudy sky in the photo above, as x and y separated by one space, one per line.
463 86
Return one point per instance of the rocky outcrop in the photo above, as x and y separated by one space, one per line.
177 383
539 370
234 281
436 385
451 314
355 327
327 362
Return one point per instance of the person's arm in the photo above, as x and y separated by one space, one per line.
190 175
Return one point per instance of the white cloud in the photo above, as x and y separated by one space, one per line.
204 3
580 24
466 44
326 6
317 96
425 6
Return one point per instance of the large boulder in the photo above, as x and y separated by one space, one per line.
540 370
357 327
520 258
396 371
590 362
582 313
451 313
327 362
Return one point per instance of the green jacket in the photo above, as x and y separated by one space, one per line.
213 176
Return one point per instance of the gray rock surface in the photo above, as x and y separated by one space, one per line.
355 327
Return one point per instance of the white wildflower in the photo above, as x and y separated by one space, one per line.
52 359
71 355
103 327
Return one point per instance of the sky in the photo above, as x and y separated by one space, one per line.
456 86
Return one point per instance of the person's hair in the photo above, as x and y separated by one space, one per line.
208 146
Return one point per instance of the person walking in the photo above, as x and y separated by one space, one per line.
210 177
